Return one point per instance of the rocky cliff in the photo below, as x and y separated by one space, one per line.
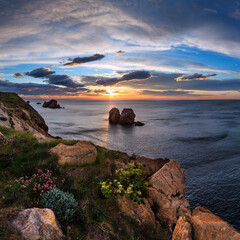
17 114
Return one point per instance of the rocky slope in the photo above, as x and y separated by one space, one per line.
17 114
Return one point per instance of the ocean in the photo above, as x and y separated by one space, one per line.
203 136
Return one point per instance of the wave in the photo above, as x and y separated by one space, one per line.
211 138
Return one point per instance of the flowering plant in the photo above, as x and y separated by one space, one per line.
130 181
38 183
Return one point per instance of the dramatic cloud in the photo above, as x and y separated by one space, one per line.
81 60
63 80
40 72
40 89
195 76
136 75
118 53
18 75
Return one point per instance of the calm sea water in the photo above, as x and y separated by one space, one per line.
203 136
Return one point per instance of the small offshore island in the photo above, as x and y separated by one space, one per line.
57 189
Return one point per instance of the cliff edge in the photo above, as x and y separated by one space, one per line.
17 114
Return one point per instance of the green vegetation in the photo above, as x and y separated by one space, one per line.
26 158
12 100
62 203
130 182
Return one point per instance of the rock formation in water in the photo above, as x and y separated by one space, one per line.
51 104
17 114
127 117
114 115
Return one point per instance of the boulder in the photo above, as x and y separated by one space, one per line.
36 223
79 154
142 213
127 116
150 166
51 104
208 226
166 193
114 115
183 229
139 124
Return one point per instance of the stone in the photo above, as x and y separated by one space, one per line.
208 226
150 166
51 104
183 229
166 193
79 154
36 223
38 103
142 213
139 124
127 116
114 115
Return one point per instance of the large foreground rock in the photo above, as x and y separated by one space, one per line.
203 225
127 116
166 193
114 115
79 154
36 223
51 104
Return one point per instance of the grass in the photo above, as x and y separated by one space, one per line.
13 101
26 155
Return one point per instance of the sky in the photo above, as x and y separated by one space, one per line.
120 49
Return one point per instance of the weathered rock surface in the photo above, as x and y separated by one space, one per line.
150 166
183 229
140 212
36 223
51 104
203 225
127 116
166 192
79 154
114 115
208 226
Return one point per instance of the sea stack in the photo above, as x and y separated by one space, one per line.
114 115
51 104
127 117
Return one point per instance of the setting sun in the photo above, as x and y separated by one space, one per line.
111 92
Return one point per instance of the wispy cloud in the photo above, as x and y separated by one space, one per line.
135 75
194 76
81 60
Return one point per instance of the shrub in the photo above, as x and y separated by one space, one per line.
38 183
130 181
97 213
62 203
